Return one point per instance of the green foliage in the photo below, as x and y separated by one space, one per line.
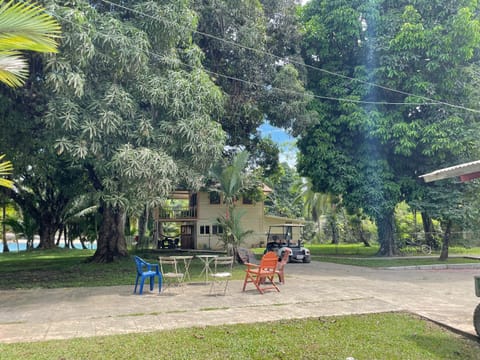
234 233
81 218
259 86
6 168
23 27
408 222
25 227
281 201
371 153
126 99
132 100
343 249
230 179
395 261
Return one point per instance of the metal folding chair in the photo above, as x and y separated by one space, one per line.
170 273
222 273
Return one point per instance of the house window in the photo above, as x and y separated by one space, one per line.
217 229
214 197
204 229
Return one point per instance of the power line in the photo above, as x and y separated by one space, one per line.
232 43
270 87
432 102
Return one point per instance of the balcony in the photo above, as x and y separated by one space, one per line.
169 213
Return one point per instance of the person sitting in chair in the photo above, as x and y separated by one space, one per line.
275 244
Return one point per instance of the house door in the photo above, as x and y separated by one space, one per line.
186 237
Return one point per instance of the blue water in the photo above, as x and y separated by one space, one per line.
22 246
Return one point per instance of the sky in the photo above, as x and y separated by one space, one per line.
286 143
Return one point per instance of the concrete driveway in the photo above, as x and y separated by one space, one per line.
317 289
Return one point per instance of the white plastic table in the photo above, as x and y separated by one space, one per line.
206 259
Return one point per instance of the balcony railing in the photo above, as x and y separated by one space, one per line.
177 213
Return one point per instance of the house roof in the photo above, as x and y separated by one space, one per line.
466 171
185 194
266 189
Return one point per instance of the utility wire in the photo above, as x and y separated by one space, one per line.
270 87
232 43
429 100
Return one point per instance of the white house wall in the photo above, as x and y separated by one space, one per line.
208 214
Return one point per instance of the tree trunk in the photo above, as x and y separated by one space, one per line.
82 242
47 234
111 242
334 228
446 240
127 225
142 229
385 230
415 233
4 229
70 239
59 236
362 236
30 243
356 224
429 231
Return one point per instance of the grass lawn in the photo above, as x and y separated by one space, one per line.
359 255
378 336
359 250
375 336
392 262
68 268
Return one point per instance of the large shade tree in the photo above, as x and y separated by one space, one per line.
371 142
132 105
251 48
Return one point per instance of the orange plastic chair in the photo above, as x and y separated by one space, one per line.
258 274
281 265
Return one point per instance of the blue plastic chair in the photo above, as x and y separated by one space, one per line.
146 270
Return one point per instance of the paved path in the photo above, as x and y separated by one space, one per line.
316 289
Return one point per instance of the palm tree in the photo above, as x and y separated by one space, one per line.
24 226
318 204
230 180
80 220
23 27
5 170
233 232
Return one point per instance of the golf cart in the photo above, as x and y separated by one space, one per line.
282 236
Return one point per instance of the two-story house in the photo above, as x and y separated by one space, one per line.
196 214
